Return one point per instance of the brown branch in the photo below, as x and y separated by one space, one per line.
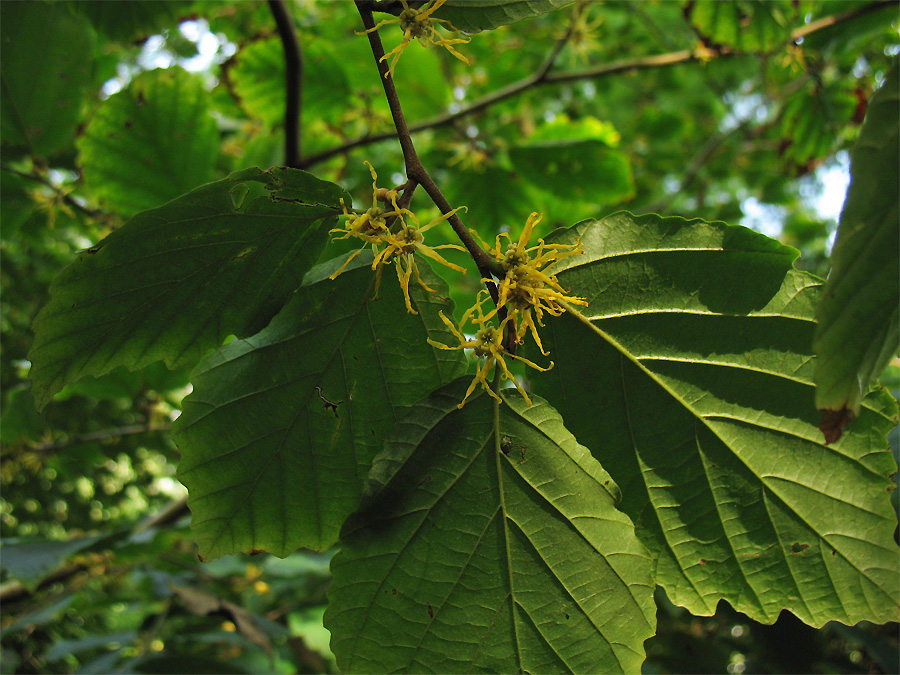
293 61
415 170
165 516
828 21
66 198
12 591
543 77
102 435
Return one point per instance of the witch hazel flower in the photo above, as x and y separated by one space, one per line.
419 24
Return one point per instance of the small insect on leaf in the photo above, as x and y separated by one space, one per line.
329 404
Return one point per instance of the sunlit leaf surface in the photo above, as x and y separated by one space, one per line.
489 541
689 377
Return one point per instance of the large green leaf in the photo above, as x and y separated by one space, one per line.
45 66
747 25
689 376
132 19
150 142
174 281
859 315
258 79
584 148
473 16
489 541
281 428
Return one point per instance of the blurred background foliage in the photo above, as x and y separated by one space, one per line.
109 108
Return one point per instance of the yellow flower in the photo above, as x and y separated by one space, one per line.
488 345
419 24
528 286
371 225
401 244
404 244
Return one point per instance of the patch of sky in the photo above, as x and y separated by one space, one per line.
744 107
762 217
822 191
211 48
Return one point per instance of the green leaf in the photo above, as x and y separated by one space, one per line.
813 118
489 207
65 648
31 560
489 541
473 16
174 281
130 20
859 315
179 663
747 25
258 79
559 151
689 376
151 142
40 105
280 430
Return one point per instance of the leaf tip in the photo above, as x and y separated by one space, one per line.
834 422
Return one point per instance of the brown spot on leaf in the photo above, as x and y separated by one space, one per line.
567 617
834 422
797 547
702 561
247 251
430 611
393 591
427 479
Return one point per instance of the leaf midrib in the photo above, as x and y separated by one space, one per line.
700 418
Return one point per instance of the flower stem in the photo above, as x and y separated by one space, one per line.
415 170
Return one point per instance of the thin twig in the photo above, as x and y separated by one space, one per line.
102 435
293 61
415 170
668 60
67 198
165 516
828 21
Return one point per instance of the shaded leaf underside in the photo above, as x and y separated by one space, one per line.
859 316
174 281
690 378
280 430
489 541
473 16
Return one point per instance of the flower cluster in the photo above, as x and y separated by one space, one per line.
392 238
487 344
419 24
526 291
